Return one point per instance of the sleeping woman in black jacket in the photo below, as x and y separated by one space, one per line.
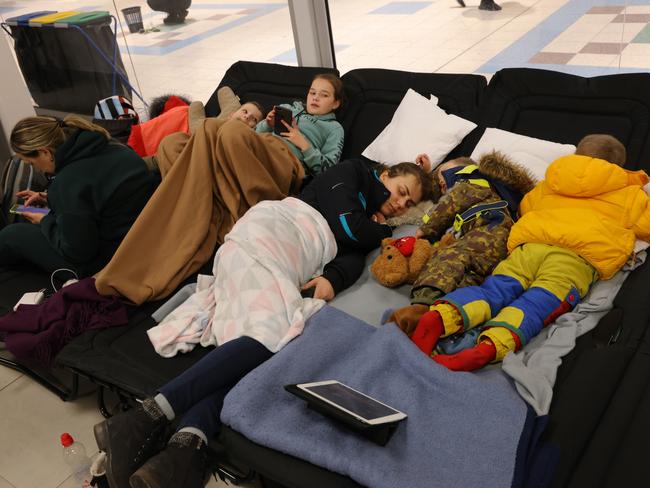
356 200
252 309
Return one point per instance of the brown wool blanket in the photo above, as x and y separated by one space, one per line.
210 179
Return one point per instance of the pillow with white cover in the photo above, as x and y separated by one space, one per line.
532 153
418 126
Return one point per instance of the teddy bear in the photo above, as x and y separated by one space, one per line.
400 260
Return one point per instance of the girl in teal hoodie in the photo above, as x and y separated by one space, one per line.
98 188
314 136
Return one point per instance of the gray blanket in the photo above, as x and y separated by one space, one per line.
463 429
534 368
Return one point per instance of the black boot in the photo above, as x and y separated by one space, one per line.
130 438
183 464
488 5
461 3
176 17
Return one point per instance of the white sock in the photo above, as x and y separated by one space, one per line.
165 406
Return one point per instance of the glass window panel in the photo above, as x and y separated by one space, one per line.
583 38
183 51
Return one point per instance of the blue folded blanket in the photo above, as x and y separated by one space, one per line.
463 429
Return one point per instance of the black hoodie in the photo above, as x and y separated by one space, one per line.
98 191
347 195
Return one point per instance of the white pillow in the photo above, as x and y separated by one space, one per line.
534 154
418 126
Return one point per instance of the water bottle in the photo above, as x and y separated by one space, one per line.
74 455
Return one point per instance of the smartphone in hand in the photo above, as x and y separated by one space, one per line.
19 209
281 113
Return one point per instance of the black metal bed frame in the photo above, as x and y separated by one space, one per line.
48 381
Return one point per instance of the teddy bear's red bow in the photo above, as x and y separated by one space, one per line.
405 245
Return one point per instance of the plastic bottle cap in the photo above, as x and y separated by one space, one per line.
66 439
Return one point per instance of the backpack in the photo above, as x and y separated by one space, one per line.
16 176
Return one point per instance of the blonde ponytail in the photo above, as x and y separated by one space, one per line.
33 133
84 124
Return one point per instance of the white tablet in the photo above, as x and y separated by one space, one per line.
348 400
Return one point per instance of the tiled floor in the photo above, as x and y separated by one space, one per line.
584 37
31 421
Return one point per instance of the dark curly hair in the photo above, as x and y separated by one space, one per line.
157 104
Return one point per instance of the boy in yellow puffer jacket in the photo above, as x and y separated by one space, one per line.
576 226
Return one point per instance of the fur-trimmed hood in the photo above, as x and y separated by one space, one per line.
496 166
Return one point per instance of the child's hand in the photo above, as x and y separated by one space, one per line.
323 288
270 117
419 234
423 161
294 135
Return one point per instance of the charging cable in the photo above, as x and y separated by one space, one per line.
76 278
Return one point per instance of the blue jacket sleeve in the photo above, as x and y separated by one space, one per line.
262 127
319 159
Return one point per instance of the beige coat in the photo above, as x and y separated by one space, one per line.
210 179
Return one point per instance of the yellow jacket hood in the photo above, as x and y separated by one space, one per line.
589 206
583 176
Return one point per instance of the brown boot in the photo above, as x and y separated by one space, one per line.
407 318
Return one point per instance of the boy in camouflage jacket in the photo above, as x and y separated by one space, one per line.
472 221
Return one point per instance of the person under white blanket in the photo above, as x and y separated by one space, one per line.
253 308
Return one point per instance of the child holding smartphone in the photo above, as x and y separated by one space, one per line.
313 134
244 167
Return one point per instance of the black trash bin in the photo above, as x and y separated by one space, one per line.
133 17
69 59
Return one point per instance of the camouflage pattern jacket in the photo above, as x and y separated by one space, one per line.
481 241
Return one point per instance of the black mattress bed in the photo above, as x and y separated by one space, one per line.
598 423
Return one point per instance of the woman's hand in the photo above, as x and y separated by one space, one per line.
32 198
294 135
34 218
322 288
378 217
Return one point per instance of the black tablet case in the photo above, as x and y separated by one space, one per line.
379 434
